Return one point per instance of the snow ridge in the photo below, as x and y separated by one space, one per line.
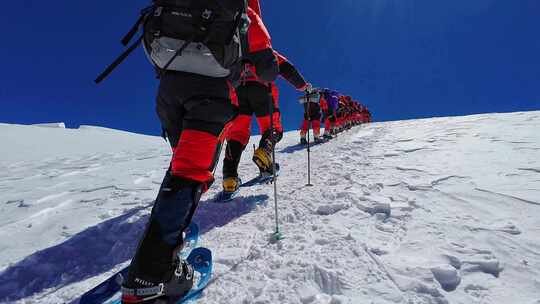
422 211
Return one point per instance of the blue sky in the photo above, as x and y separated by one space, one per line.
404 59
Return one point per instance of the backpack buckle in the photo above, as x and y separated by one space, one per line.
244 23
158 12
161 289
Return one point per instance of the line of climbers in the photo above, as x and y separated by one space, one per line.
216 67
338 112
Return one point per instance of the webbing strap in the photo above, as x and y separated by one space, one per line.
118 60
149 291
127 38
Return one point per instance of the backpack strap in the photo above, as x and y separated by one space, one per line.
244 27
202 26
118 60
144 13
127 38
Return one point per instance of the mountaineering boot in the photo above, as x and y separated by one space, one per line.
156 272
303 139
262 159
231 184
327 135
269 172
233 154
317 137
173 289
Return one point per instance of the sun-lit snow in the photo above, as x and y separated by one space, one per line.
443 210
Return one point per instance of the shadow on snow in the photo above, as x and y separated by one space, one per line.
100 248
299 147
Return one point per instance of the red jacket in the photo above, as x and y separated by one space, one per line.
256 6
258 36
260 54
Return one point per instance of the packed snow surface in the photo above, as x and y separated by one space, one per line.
443 210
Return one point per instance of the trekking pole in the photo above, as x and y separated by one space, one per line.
277 236
308 141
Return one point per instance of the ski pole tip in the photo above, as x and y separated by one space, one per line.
276 237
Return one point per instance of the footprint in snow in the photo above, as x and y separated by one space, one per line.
404 140
490 266
447 276
11 202
471 260
328 281
412 150
508 228
478 291
410 169
332 208
378 208
22 204
535 170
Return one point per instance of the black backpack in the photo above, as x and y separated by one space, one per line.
204 37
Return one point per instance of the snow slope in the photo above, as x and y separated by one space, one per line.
441 210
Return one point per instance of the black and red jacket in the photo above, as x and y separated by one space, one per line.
260 54
286 70
290 73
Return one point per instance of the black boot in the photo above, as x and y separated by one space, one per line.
178 284
262 156
156 263
233 154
